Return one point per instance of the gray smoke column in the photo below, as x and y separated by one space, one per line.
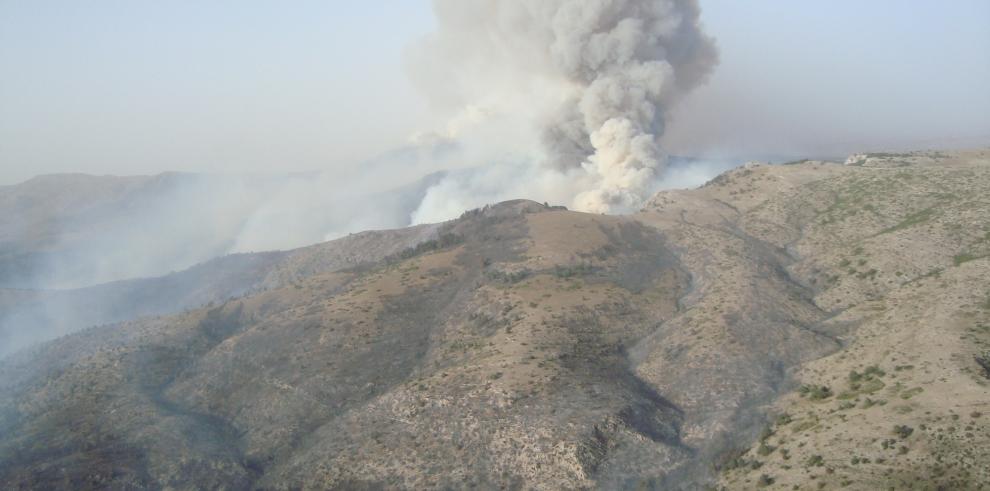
596 77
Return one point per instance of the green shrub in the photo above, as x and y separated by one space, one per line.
765 433
733 460
984 361
867 382
868 403
815 392
765 449
960 259
444 241
574 270
903 431
907 394
911 220
804 425
508 277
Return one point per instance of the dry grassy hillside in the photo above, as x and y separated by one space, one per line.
897 249
814 325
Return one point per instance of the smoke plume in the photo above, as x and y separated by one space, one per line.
593 78
554 100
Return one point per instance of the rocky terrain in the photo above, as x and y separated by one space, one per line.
811 325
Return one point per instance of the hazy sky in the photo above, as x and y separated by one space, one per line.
131 86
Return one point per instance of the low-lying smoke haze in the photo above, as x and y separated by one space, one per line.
70 231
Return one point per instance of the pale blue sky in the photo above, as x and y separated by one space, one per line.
835 76
134 86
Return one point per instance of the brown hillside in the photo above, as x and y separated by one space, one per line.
770 329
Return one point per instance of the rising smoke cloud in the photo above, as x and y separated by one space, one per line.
593 78
553 100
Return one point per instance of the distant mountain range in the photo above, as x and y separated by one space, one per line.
71 231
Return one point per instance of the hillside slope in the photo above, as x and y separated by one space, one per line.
897 248
532 347
31 316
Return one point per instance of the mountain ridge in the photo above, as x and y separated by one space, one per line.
707 340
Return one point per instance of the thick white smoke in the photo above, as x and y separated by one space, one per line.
593 78
554 100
